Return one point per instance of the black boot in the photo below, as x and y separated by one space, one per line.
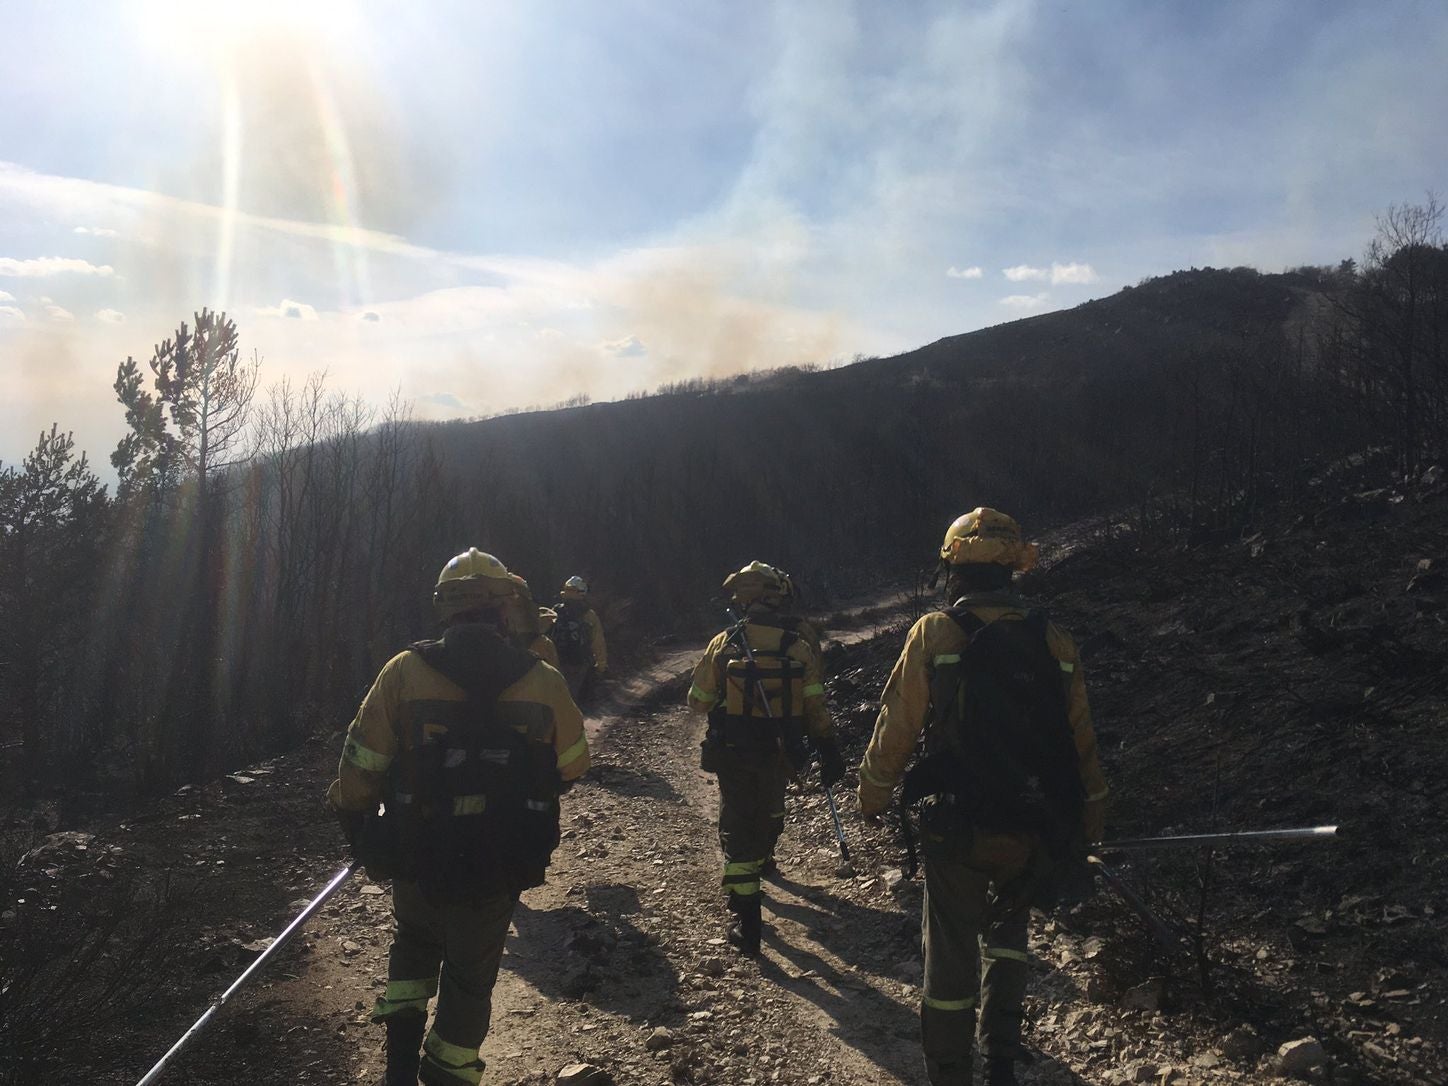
404 1048
1000 1071
748 923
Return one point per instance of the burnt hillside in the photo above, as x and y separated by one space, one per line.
1291 675
1190 383
229 616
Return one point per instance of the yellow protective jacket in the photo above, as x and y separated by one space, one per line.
708 679
905 704
808 632
596 643
537 705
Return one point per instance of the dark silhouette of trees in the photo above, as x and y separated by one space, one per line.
188 429
263 559
1400 303
53 514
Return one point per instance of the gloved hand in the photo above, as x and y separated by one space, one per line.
832 765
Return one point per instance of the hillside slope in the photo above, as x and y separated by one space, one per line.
1291 674
835 474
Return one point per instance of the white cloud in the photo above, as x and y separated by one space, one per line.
1022 273
1072 273
971 272
287 308
111 316
11 316
1056 274
6 296
1025 301
45 266
97 231
628 347
58 313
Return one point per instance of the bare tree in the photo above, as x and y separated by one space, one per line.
1400 305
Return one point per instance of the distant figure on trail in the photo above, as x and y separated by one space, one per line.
526 623
577 633
1009 788
466 742
760 712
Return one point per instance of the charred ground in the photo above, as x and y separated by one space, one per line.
1290 673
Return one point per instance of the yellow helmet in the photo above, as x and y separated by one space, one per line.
758 581
521 611
987 536
575 588
473 580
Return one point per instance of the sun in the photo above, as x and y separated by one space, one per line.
220 26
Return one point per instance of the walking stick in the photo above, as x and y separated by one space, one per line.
266 955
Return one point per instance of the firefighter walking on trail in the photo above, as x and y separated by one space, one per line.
761 683
577 634
466 742
528 624
1009 789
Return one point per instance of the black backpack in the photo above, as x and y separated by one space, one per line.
999 745
570 634
470 807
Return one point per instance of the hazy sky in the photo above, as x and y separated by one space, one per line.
487 204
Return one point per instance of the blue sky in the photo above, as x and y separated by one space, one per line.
484 204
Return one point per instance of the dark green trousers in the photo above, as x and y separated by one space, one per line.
465 942
972 962
751 816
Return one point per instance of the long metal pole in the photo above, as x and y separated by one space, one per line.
1245 837
739 624
266 955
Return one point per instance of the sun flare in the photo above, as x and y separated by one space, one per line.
222 25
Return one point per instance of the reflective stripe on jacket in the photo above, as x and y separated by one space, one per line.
537 705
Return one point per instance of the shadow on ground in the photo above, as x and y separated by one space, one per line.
596 951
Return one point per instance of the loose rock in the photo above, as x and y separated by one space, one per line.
1300 1056
584 1074
1243 1044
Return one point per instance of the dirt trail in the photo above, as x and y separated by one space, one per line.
619 961
624 939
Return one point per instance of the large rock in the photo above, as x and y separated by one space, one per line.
1144 997
584 1074
1243 1044
1300 1056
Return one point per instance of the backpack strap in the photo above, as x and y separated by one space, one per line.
777 622
969 622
